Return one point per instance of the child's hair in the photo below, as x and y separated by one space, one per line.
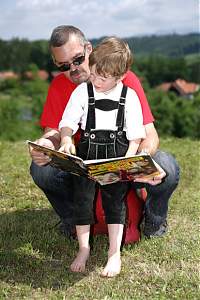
112 57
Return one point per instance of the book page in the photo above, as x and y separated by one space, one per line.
123 169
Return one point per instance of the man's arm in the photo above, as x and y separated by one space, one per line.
151 142
50 139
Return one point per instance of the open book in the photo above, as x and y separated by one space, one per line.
104 171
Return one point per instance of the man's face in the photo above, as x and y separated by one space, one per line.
71 53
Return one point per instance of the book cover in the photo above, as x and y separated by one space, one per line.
104 171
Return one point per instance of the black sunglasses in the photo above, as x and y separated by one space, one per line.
76 62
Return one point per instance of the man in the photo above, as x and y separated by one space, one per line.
70 52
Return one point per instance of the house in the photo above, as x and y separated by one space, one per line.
8 75
181 87
42 74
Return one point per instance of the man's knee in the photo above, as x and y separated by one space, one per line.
38 175
170 166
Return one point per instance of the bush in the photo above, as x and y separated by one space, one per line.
162 108
20 108
174 115
36 91
21 105
9 85
187 118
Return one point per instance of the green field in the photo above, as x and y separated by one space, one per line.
35 259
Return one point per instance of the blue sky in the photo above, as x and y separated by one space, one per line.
35 19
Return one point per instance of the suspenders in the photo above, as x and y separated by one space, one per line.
90 124
120 114
100 143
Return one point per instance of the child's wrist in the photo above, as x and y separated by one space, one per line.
66 140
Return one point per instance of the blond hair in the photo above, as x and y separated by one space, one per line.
112 57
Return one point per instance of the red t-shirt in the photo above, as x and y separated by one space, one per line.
60 91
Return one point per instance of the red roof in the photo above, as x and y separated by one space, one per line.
42 74
164 86
182 86
8 75
185 87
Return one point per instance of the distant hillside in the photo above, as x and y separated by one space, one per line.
173 45
19 54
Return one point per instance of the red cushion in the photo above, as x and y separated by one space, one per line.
134 215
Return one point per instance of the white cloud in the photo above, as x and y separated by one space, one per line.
37 3
35 19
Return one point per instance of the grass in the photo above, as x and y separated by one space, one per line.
34 258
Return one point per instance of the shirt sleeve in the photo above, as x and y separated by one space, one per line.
75 109
59 92
132 81
133 117
50 115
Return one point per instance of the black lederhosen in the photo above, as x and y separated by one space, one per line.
96 144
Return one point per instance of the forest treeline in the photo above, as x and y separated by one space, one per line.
17 54
172 45
22 100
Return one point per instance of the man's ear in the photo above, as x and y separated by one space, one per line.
89 47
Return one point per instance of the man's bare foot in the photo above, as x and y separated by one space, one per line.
78 265
113 266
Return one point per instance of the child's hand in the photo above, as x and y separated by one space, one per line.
132 148
68 148
130 153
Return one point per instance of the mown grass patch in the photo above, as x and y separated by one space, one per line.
34 258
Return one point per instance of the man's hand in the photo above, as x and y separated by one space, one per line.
157 179
39 157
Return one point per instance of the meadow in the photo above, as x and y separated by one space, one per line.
35 258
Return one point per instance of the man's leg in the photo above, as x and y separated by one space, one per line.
57 186
156 205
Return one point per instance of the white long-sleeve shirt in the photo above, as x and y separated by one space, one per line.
76 110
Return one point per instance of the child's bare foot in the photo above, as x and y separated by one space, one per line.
78 265
113 266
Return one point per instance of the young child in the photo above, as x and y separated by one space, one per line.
111 121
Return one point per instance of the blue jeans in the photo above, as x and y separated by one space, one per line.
158 196
57 186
